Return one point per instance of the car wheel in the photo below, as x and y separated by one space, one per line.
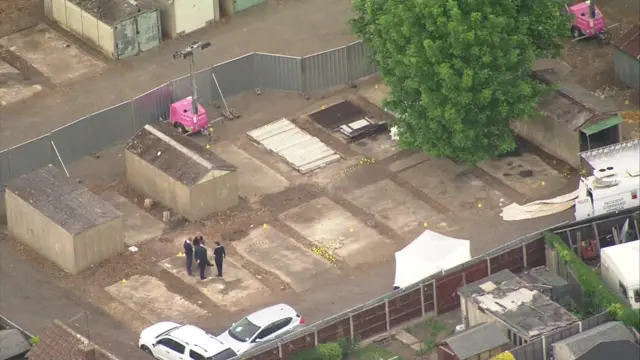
576 32
146 349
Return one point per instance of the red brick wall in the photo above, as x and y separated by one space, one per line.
16 15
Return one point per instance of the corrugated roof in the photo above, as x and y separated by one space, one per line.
175 154
629 42
62 199
581 343
58 342
302 151
476 340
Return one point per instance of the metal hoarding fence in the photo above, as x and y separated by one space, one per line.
278 72
325 70
109 127
236 76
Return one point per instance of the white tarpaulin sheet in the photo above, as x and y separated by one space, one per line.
539 208
428 254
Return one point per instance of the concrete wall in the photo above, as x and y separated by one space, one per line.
16 15
217 193
477 316
32 228
552 137
99 243
155 184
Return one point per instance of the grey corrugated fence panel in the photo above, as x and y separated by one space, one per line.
627 68
596 320
204 82
180 88
531 351
29 156
5 172
73 142
149 108
325 70
359 65
110 126
278 72
559 335
236 76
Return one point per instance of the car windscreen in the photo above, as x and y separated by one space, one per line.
223 355
243 330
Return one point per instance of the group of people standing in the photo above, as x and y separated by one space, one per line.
194 250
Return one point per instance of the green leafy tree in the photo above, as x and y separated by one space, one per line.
459 71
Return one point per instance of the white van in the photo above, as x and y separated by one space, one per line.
615 183
620 270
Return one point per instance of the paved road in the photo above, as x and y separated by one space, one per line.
32 300
291 27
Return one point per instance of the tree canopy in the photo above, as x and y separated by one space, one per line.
459 70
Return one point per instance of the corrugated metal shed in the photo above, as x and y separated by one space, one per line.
302 151
629 42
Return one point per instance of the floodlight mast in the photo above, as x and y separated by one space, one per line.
188 53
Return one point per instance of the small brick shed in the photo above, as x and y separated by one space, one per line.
62 220
182 174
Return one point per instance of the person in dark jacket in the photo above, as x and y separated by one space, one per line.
218 256
188 253
200 254
200 238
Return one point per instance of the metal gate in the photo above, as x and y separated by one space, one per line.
126 39
239 5
149 32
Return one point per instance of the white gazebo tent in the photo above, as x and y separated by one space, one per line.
428 254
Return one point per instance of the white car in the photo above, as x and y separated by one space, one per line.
261 326
170 341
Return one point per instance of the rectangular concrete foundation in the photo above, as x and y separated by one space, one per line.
254 178
526 174
238 289
327 225
397 208
292 262
138 225
378 147
454 187
151 299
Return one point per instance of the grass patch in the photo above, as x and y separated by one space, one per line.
428 332
373 352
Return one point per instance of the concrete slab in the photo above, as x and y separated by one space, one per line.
138 225
527 174
292 262
254 178
237 290
377 147
12 85
396 207
408 162
329 226
455 188
406 338
150 297
55 57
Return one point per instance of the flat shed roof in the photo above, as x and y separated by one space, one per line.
62 199
176 155
517 304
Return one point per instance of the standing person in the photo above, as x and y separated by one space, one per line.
218 256
200 238
200 254
188 253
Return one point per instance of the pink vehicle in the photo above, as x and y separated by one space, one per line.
588 21
181 117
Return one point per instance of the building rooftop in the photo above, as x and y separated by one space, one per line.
581 343
476 340
517 304
111 12
62 199
626 258
629 42
624 157
176 155
618 350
